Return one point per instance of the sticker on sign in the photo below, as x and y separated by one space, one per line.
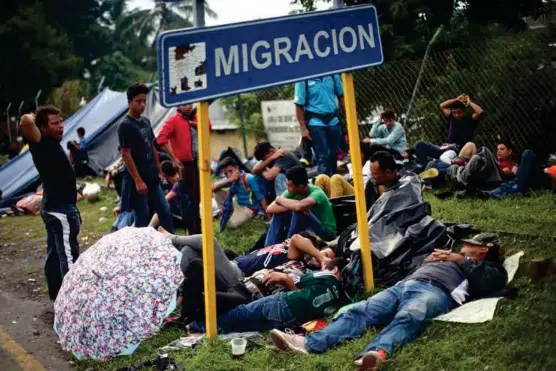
199 64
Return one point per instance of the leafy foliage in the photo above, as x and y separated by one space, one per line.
47 42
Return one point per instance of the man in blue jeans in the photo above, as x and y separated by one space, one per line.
43 131
302 207
314 295
443 282
141 160
460 130
316 107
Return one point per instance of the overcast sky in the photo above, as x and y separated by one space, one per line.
230 11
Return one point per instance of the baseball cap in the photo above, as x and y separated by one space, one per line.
489 240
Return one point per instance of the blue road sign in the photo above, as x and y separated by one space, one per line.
198 64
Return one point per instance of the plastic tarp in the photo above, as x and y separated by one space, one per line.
402 233
19 174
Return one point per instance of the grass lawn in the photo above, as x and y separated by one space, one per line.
521 336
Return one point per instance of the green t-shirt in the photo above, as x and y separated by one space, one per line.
322 210
319 295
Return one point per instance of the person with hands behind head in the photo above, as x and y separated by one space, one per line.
445 280
137 146
302 207
460 130
44 131
273 164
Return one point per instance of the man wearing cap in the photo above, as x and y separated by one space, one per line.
444 281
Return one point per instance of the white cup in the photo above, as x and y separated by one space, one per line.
238 347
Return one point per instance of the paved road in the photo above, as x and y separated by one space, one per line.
7 362
35 341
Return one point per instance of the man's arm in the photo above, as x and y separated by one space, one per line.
30 131
225 182
261 166
294 205
274 208
168 149
272 173
375 129
478 112
445 106
300 114
301 246
274 278
132 170
156 158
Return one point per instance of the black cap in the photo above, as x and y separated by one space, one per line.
490 241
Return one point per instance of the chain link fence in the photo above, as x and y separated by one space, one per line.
513 78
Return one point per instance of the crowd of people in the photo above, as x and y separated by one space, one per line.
295 276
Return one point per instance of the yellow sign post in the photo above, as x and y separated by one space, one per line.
357 166
206 217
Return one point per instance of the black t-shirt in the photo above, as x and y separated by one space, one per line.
286 162
461 131
56 173
138 136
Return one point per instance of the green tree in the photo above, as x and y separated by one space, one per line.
34 56
118 70
148 23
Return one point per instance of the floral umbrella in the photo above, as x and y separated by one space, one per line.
117 293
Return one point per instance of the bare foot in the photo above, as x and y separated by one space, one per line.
164 231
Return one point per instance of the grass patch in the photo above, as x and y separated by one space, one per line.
31 269
520 337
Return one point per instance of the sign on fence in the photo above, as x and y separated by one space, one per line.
281 123
198 64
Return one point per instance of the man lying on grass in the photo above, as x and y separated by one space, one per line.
445 280
315 295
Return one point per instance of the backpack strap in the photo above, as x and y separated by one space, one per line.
244 181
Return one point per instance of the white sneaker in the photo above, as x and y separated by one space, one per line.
289 343
371 361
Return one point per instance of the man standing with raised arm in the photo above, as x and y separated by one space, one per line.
44 131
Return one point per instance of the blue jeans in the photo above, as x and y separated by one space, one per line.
287 224
280 184
404 307
529 175
62 249
442 168
140 204
424 150
260 315
326 143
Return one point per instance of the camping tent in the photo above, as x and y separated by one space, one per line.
20 174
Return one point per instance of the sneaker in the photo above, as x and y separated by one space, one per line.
371 361
429 174
289 343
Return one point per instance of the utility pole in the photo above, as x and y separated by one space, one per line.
239 109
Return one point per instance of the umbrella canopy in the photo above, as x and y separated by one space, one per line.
117 293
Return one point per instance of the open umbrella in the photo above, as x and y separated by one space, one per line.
117 293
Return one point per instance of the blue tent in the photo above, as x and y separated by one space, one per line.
101 113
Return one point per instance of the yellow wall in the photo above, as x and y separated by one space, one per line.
222 139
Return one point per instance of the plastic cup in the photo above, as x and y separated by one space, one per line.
238 347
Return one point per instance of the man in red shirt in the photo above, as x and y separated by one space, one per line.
505 160
176 138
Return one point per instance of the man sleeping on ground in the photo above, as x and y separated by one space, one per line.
315 295
229 274
445 280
